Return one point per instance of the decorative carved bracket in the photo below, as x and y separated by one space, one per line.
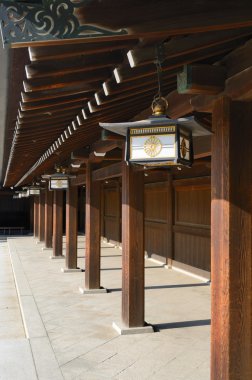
22 22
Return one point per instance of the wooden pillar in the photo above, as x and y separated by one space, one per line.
71 227
36 216
102 210
118 212
93 231
41 230
132 247
231 339
48 218
57 222
170 221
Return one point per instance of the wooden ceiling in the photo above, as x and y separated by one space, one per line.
60 91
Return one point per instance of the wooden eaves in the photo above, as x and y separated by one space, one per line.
61 90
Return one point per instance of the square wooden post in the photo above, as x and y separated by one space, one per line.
231 338
132 252
36 216
71 229
41 228
57 223
48 218
118 212
170 221
132 247
93 234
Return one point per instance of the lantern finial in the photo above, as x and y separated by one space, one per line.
159 106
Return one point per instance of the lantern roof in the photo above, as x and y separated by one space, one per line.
154 121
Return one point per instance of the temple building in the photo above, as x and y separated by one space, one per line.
131 122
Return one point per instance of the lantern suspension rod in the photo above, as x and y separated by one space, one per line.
158 62
159 104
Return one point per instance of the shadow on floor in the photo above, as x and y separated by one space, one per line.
155 267
179 325
153 287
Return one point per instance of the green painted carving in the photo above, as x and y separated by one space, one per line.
22 21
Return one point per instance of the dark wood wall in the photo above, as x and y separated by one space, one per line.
15 212
192 219
177 220
157 208
111 209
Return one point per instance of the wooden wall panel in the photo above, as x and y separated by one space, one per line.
112 212
156 202
156 219
191 206
156 240
192 250
188 241
110 207
192 223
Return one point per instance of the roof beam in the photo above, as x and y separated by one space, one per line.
111 171
195 79
107 146
48 83
72 65
179 46
209 20
47 53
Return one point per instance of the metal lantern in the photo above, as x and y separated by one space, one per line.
23 194
33 190
159 140
58 180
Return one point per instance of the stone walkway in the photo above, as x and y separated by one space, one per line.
16 361
71 335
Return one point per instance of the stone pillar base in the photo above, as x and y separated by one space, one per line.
93 291
70 270
57 257
124 330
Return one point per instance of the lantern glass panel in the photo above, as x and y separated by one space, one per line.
34 191
58 183
153 147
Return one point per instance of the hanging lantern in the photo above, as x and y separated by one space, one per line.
33 191
23 193
162 142
159 140
58 180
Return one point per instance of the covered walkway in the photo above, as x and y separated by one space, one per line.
71 334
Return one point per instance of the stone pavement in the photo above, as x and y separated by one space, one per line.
71 335
16 360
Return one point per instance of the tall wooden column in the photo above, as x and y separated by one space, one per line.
41 229
132 247
36 217
231 340
57 222
170 221
93 232
71 227
48 218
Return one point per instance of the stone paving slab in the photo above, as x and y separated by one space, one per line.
79 333
16 360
